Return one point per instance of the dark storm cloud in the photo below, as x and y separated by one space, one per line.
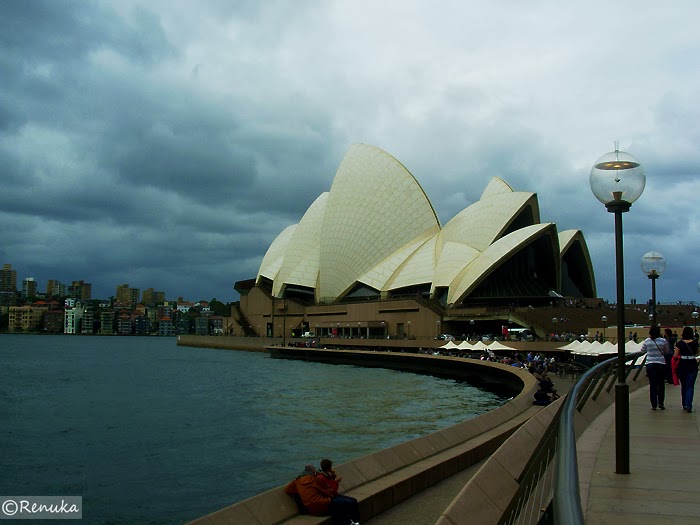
39 31
166 143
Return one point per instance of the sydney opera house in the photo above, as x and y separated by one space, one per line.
370 259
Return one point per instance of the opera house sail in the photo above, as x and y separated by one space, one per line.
375 236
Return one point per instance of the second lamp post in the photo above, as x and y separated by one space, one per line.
617 180
653 265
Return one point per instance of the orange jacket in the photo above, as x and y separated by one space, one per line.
314 496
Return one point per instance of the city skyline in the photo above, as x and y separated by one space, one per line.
132 294
167 145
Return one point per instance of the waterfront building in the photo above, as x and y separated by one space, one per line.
55 288
182 323
369 258
80 290
53 321
8 298
29 287
183 306
166 327
72 321
125 324
216 325
107 322
88 322
152 298
25 318
141 324
201 325
8 279
127 296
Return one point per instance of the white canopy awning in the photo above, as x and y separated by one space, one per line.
573 345
497 345
479 345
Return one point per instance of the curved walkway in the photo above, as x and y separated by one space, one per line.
663 486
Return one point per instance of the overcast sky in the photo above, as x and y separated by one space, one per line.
166 144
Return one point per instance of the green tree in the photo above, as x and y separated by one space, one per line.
219 308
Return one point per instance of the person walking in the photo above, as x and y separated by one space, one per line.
655 347
687 367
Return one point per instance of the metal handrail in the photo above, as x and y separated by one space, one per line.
567 497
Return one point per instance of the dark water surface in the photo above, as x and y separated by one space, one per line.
149 432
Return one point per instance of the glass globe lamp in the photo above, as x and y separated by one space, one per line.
617 177
653 264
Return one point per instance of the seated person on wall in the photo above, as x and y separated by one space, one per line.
345 507
308 497
542 398
546 393
313 497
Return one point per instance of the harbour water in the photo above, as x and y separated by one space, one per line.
149 432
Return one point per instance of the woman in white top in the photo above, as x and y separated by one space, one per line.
656 346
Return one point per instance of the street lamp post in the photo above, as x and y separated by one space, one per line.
695 323
653 265
617 180
438 326
605 320
409 329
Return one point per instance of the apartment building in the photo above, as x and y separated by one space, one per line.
72 321
29 287
25 318
107 322
127 296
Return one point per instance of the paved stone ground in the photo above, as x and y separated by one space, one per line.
663 486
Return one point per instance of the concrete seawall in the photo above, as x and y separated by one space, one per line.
247 344
385 478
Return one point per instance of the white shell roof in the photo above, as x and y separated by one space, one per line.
303 255
272 261
375 207
380 277
376 226
483 222
492 257
566 238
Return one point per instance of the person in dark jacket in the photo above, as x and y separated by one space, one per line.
687 367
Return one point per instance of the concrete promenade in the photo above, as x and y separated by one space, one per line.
663 486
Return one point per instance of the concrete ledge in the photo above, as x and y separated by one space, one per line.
387 477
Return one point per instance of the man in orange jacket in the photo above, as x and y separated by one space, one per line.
318 499
314 496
